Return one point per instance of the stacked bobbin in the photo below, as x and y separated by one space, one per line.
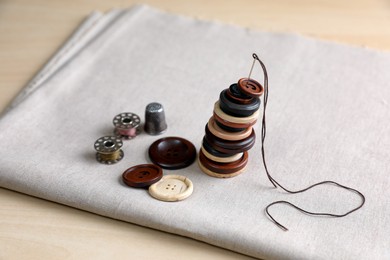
126 125
229 133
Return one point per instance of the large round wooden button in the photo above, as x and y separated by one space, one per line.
172 188
142 175
172 152
250 87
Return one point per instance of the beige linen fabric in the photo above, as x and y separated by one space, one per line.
328 119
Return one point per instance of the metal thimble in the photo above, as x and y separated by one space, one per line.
155 119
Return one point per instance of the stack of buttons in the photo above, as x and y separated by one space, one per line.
229 133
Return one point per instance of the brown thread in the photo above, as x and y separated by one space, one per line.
275 183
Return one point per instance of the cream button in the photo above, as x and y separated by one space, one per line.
172 188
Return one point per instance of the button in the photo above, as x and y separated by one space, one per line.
224 168
235 94
233 108
208 147
142 175
230 136
220 175
227 128
172 188
214 158
234 119
230 147
229 125
250 87
172 153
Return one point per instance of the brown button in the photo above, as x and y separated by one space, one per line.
224 168
142 175
232 125
230 147
250 87
230 136
237 120
219 175
214 158
172 153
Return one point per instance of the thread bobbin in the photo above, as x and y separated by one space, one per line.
126 125
108 149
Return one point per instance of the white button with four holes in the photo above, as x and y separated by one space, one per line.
172 188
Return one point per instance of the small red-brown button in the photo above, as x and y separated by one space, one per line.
172 152
142 175
250 87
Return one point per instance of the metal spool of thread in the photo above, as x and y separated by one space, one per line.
108 149
126 125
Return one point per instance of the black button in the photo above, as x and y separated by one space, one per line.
232 108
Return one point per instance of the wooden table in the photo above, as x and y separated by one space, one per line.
32 30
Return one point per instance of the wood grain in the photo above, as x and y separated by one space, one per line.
32 30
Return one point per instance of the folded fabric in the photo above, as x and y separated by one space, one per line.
327 119
94 24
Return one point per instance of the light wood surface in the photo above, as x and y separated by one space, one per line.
32 30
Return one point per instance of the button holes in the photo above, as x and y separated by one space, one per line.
172 152
143 174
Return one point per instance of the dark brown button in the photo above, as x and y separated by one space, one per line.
212 151
224 168
142 175
229 147
250 87
172 152
227 128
